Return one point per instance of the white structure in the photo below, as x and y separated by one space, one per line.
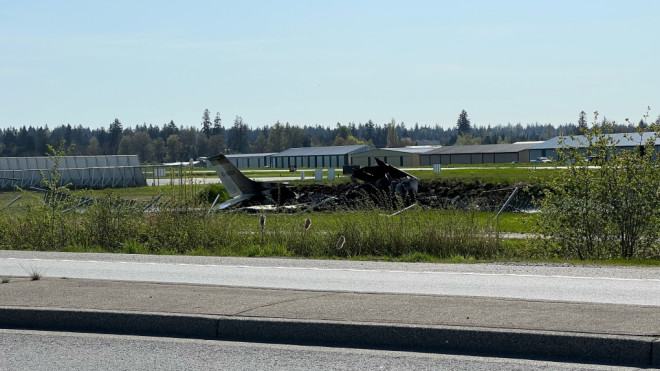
79 171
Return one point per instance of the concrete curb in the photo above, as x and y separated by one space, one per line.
640 351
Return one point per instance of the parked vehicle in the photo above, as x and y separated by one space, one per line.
542 160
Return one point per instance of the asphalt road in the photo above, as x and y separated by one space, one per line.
614 285
75 351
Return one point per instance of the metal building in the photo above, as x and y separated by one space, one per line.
399 157
79 171
479 154
250 160
550 147
317 157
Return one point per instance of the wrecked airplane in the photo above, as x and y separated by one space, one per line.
245 190
383 185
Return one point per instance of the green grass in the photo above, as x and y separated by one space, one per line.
513 222
413 236
509 175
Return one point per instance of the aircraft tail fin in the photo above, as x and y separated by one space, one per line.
232 179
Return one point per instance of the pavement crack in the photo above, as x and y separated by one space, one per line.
282 302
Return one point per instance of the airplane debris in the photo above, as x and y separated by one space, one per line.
383 184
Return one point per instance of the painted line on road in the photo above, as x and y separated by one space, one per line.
338 270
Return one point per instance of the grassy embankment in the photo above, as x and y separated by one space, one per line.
415 235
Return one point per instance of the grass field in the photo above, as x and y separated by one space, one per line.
416 235
505 172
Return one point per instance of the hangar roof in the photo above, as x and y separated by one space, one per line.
409 150
624 140
251 155
324 151
483 148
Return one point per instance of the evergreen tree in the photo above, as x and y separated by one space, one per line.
169 129
369 131
582 122
206 123
463 123
238 139
153 131
217 124
642 124
116 131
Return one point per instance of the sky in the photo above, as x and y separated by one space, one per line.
310 62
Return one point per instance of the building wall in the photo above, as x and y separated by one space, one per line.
394 158
523 156
312 161
534 153
249 161
460 159
474 158
505 158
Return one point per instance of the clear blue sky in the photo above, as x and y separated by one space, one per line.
322 62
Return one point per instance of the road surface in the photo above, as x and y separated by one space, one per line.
74 351
612 285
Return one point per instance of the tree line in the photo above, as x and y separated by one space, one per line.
171 142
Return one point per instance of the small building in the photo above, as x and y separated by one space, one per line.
250 160
400 157
479 154
551 147
317 157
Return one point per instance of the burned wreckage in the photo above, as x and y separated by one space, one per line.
381 185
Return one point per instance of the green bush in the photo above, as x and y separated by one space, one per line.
211 191
605 208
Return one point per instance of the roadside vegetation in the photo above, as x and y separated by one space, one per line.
108 225
605 202
604 215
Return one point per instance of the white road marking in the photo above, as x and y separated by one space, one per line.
615 290
334 269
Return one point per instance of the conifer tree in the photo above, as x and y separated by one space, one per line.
463 123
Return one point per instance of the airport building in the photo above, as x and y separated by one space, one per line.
78 171
479 154
399 157
317 157
551 147
250 160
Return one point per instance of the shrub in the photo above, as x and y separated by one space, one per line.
605 202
